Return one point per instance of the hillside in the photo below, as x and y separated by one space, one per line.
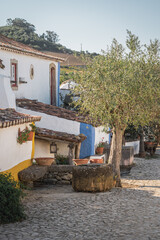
22 31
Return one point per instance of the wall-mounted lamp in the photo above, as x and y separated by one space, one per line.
53 148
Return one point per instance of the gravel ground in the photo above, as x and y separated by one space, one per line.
130 213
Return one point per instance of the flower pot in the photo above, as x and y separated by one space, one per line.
80 161
44 161
149 143
99 150
30 137
96 160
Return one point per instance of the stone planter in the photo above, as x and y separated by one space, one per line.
92 178
44 161
80 161
96 160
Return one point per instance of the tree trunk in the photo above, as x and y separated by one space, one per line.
142 152
116 154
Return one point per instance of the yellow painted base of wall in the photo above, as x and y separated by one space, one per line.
19 167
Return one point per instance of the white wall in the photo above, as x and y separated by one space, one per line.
13 153
42 149
63 149
135 145
37 88
7 97
54 123
99 134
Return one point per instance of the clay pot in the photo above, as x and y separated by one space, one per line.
30 137
96 160
149 143
99 150
80 161
44 161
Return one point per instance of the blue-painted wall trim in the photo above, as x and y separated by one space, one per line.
58 84
87 146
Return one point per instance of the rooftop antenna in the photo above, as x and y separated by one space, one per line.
81 47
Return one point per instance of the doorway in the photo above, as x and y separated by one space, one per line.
53 85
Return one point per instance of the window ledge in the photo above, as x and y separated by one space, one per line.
14 88
21 81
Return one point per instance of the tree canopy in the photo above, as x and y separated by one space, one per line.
121 87
22 31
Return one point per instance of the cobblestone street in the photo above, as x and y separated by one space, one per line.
57 212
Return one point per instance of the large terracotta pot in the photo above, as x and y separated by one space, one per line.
44 161
96 160
99 150
80 161
30 137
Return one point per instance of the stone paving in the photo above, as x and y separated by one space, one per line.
59 213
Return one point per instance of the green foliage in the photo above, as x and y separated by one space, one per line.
62 160
100 144
121 88
23 136
67 74
33 126
131 133
22 31
11 209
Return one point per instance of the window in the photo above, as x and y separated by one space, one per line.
31 71
14 73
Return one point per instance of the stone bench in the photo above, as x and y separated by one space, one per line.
31 174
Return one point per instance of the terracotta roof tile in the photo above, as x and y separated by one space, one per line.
51 110
69 59
9 44
9 117
44 133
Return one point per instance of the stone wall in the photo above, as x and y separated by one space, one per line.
127 155
57 174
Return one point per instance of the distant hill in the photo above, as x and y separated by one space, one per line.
22 31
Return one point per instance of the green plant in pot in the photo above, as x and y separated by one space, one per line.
23 135
100 147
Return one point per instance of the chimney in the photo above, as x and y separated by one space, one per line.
7 97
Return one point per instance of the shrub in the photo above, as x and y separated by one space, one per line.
11 208
62 160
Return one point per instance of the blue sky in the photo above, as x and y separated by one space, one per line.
94 23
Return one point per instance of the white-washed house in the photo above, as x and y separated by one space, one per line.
35 84
14 156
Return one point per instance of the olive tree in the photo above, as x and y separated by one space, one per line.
120 87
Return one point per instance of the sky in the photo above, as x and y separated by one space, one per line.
90 24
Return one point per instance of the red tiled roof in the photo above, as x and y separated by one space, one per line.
34 105
44 133
69 59
9 117
11 45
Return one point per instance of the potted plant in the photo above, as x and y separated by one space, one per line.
34 128
44 161
23 135
100 147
